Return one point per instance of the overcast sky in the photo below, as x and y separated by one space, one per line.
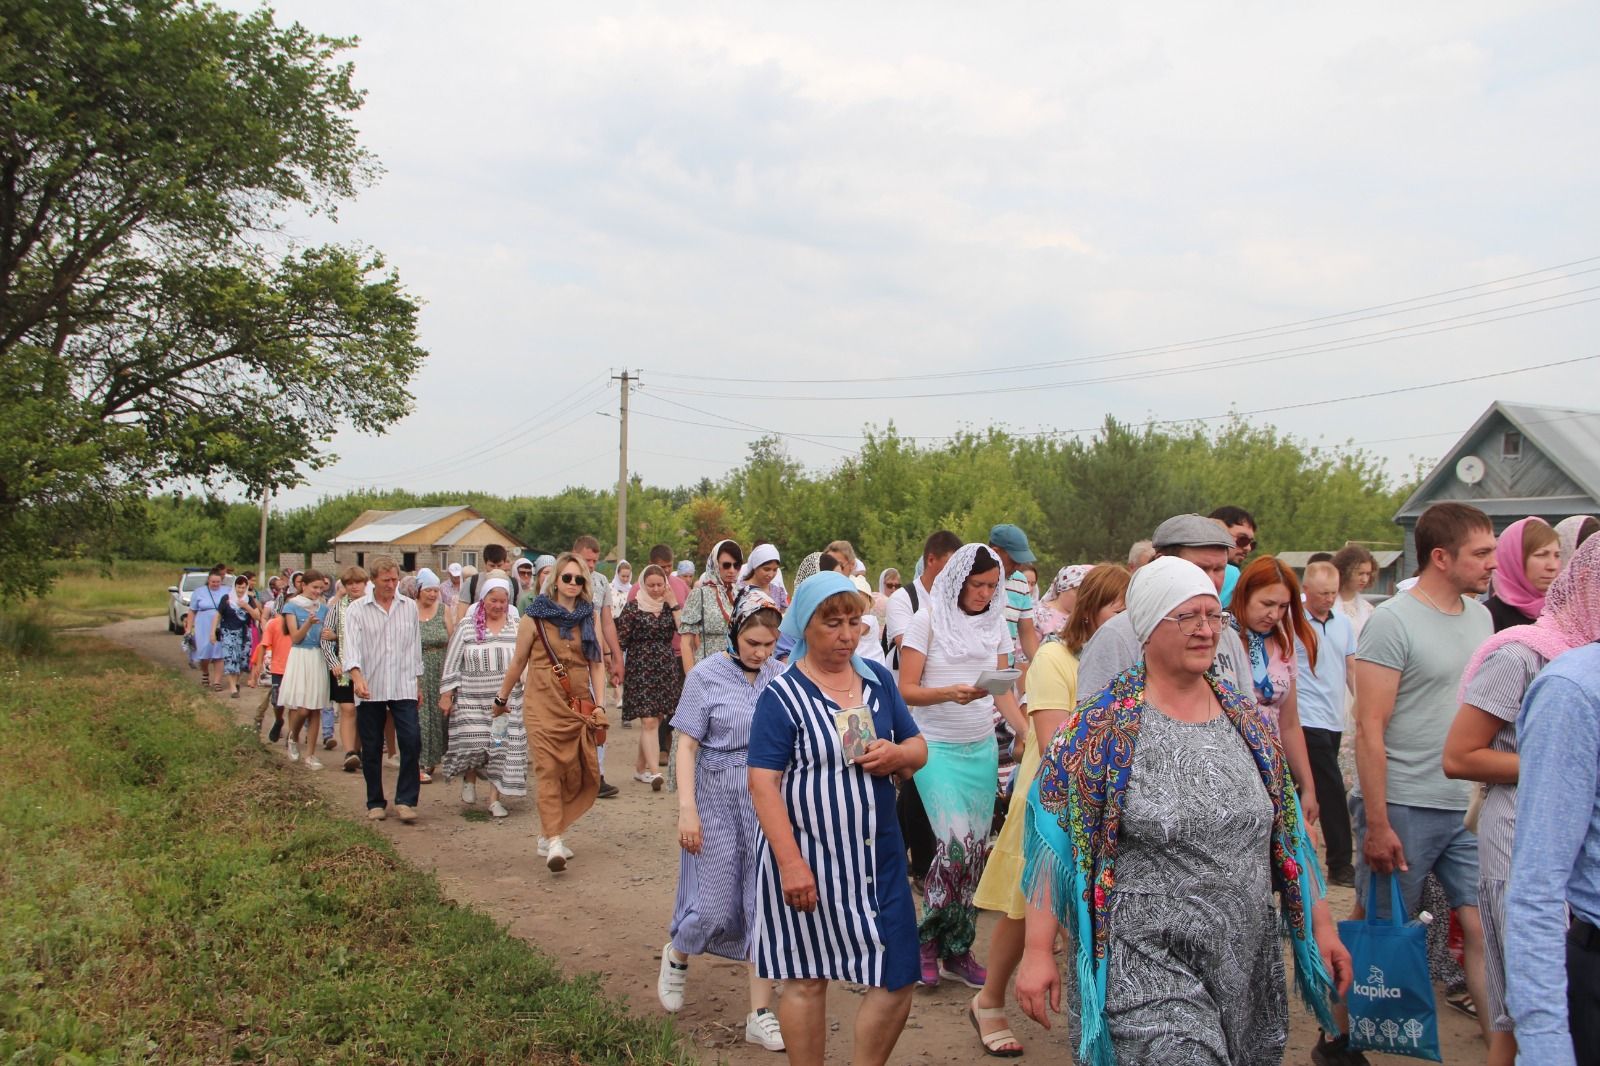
748 198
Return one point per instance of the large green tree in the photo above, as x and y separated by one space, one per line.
156 322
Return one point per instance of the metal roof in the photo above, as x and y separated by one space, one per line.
1299 560
396 524
1571 438
1568 437
459 531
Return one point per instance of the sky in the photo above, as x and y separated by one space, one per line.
1174 208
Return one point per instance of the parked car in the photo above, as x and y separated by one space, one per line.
193 577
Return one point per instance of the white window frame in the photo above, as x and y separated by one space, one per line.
469 558
1509 437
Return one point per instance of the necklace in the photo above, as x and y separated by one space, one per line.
815 675
1435 606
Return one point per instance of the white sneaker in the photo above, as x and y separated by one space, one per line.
498 809
557 856
313 763
393 760
644 777
544 847
469 792
294 751
670 981
761 1027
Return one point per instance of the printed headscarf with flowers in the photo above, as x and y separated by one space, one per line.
1074 817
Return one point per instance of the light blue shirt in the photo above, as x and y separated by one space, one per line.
1556 858
1321 694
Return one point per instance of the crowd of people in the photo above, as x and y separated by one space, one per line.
1127 763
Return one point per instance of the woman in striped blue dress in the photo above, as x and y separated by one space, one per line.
717 829
832 900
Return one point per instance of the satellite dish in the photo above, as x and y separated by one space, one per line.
1470 469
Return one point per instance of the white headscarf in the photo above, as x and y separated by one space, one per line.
496 583
1067 578
1159 586
760 556
957 634
427 579
619 586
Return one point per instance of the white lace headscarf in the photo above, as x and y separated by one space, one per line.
957 634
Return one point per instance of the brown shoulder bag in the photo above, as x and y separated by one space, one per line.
587 710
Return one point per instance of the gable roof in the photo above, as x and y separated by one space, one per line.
459 530
1569 437
383 527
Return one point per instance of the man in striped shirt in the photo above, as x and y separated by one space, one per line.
1011 544
382 655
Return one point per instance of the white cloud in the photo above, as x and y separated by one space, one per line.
746 192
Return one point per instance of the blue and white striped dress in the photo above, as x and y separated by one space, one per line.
865 926
716 904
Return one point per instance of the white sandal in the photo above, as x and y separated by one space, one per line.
994 1043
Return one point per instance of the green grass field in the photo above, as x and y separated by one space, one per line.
86 596
167 895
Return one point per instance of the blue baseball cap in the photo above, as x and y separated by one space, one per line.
1013 541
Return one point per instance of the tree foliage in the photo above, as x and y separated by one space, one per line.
1079 500
155 324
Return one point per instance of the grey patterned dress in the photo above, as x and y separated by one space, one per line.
1197 975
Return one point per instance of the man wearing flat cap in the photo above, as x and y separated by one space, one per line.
1114 648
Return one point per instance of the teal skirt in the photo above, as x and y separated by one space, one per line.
957 787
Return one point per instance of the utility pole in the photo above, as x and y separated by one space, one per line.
622 468
261 565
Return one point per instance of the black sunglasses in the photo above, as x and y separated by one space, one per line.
1244 540
574 579
729 564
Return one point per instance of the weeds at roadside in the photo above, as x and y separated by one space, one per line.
167 895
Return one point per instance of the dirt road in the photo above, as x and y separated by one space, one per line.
609 911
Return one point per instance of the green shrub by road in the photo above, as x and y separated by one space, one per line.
167 894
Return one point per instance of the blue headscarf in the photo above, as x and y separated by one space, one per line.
807 597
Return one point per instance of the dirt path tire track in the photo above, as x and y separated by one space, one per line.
609 912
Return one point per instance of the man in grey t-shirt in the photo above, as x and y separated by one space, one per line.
1409 661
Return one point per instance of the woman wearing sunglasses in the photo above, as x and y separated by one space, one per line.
558 659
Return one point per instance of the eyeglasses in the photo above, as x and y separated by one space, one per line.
574 579
1244 540
891 585
729 564
1191 622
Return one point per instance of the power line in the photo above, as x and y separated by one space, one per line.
1365 340
474 452
499 444
736 422
1199 418
1262 333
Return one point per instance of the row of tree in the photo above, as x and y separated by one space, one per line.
1079 500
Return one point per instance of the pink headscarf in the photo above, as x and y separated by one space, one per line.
1511 582
1570 619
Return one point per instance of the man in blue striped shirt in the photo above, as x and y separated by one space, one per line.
1555 864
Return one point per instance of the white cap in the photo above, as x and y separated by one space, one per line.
455 569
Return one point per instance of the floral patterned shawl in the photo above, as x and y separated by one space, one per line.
1074 814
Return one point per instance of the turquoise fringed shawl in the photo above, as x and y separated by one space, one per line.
1074 813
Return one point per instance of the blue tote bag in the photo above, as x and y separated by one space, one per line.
1391 1000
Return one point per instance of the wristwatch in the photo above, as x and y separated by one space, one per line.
498 702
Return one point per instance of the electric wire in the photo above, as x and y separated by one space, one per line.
1365 340
1262 333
